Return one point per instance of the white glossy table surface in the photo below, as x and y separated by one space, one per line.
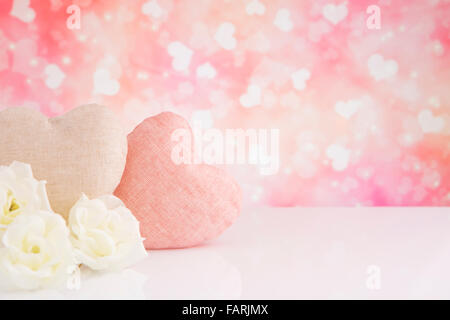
293 253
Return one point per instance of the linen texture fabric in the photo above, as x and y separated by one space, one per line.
82 151
177 205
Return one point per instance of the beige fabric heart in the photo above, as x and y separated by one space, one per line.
82 151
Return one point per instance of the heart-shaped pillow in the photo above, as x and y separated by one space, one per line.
82 151
177 205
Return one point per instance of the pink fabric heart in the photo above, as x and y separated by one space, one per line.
177 205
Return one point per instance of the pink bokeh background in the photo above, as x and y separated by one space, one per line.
364 114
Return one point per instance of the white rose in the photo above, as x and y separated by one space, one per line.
36 252
105 234
20 192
